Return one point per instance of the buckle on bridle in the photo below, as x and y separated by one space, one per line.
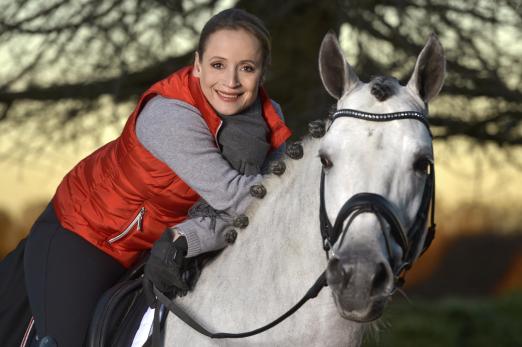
326 245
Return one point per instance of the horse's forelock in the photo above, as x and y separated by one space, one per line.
382 87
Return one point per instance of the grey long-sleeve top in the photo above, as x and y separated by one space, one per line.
175 133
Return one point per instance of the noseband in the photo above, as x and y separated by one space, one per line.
381 207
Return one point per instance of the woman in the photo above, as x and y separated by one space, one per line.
198 137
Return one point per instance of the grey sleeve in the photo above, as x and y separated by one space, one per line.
175 133
201 237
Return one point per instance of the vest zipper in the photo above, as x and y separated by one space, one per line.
137 221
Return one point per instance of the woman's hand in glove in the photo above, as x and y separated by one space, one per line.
163 266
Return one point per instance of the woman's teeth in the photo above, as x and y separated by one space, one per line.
228 96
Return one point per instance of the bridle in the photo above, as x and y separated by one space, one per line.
357 204
383 209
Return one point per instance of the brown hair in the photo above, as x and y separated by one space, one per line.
237 19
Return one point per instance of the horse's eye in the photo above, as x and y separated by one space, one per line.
325 160
422 165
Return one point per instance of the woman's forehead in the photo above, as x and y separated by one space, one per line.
226 42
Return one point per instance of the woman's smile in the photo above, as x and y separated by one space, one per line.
230 70
228 97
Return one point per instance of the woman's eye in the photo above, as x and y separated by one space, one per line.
422 165
218 66
248 68
327 163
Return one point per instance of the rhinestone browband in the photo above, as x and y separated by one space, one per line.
381 117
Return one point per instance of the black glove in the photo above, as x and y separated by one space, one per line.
163 266
190 272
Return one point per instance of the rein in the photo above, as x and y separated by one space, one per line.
359 203
181 314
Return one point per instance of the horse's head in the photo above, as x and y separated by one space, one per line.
388 159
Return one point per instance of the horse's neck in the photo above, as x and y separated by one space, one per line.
281 247
269 268
285 224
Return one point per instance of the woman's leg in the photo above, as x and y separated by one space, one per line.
65 277
14 306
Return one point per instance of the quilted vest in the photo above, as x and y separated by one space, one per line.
121 198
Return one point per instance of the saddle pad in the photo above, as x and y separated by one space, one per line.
144 330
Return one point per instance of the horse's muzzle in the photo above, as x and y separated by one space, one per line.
361 286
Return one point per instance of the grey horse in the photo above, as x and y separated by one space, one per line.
280 254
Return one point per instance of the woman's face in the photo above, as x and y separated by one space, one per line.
230 70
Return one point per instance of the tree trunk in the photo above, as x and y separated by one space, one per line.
297 29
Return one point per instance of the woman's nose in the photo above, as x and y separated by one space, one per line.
232 79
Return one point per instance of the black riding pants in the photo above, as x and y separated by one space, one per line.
65 276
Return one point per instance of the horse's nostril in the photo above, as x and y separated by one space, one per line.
347 274
337 273
334 268
380 280
334 274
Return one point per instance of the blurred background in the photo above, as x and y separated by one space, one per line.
71 72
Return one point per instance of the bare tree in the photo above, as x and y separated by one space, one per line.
482 40
64 60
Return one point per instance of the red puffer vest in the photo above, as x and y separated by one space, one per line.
121 198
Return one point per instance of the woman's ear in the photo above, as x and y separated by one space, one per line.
196 71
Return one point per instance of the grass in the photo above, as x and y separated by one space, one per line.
452 322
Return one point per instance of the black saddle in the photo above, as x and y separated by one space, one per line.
119 311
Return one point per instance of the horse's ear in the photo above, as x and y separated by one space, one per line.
337 75
430 70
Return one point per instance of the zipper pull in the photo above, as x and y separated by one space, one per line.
140 218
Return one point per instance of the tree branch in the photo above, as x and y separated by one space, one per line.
131 84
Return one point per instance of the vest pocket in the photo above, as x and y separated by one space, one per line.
136 222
